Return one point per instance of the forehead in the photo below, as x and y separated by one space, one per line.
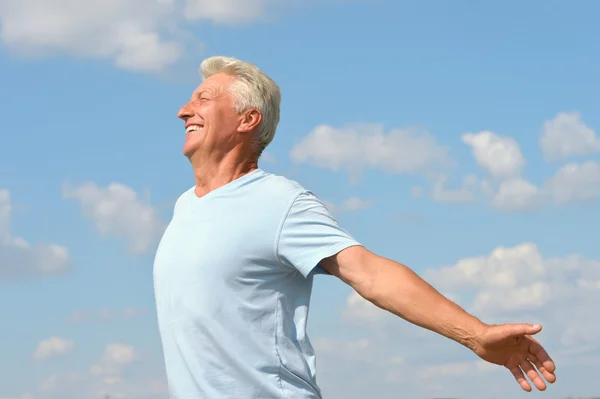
214 84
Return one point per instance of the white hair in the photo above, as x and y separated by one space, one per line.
251 88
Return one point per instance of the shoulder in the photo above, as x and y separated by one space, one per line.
281 182
282 188
287 198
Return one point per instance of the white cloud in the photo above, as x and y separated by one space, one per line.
351 204
500 156
360 147
575 183
18 259
116 356
572 183
359 310
503 268
78 384
339 358
520 279
407 218
113 375
357 148
326 344
390 362
227 12
566 135
268 157
5 211
105 315
464 194
510 284
531 296
134 34
355 204
53 347
508 191
24 396
416 191
451 369
520 284
116 210
516 195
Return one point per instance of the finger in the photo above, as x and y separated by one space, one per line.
549 376
533 375
519 330
518 374
540 353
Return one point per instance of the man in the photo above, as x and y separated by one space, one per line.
234 270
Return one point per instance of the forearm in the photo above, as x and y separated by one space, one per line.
397 289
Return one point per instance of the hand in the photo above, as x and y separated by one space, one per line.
511 346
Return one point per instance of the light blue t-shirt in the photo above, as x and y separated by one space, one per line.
233 276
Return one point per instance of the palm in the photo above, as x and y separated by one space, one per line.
511 346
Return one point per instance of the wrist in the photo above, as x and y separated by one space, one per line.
474 335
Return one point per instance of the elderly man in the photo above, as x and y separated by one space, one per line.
234 270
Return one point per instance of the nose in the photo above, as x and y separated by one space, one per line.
185 112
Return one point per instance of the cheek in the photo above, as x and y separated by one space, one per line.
231 118
221 121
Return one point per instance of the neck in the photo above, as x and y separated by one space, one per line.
215 173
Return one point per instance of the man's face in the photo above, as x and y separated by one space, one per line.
211 121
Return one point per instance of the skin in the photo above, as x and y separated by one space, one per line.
224 151
397 289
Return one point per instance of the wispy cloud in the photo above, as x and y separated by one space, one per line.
357 148
19 259
53 347
566 135
136 35
116 210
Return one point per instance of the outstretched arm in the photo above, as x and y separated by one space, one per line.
397 289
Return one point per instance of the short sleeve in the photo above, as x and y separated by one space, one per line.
308 234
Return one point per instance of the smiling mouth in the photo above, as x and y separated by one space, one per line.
194 128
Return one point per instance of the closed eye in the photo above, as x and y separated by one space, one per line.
202 96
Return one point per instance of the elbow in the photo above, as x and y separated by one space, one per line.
374 291
365 288
366 284
380 281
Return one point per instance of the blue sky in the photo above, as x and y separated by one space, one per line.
465 145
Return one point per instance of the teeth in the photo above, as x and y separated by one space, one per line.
193 128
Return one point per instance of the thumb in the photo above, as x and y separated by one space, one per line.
515 330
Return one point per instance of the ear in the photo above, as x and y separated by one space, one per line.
250 121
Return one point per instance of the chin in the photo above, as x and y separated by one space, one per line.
188 151
190 147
